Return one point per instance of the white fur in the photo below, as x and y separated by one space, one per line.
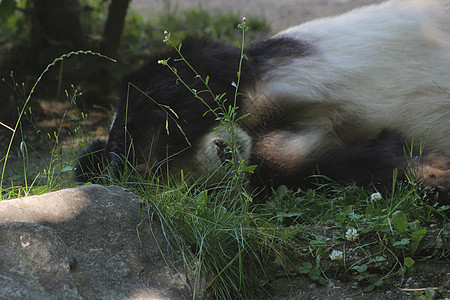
206 159
371 69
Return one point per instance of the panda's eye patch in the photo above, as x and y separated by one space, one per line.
222 150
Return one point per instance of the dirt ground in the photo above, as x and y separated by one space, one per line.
279 13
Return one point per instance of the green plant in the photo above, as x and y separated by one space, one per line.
381 235
219 231
226 112
57 164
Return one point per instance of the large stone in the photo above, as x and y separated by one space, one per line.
85 243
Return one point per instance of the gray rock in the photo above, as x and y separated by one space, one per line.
85 243
31 256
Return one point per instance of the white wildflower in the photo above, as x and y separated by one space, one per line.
351 234
376 197
337 255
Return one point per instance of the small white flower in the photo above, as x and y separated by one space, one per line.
351 234
337 255
376 197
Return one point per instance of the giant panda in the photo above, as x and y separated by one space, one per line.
338 96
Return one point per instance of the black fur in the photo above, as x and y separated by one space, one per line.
154 113
91 162
277 50
282 47
364 164
154 106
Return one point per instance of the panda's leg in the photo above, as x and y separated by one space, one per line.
373 163
370 163
293 162
291 158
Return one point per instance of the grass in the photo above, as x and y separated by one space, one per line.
334 231
56 166
239 246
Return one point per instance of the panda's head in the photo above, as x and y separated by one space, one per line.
173 117
216 154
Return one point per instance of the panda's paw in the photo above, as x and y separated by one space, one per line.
434 173
435 170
